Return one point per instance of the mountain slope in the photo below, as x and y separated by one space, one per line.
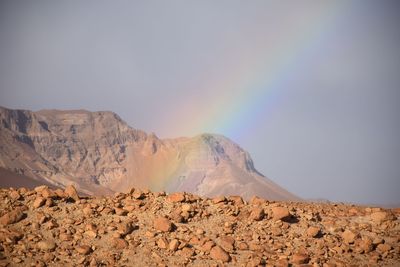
101 154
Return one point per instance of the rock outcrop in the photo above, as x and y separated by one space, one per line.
100 154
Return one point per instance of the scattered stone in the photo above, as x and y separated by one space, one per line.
163 224
15 195
218 253
47 245
382 216
300 258
39 201
71 192
119 243
12 217
313 231
256 214
349 237
162 243
280 213
176 197
174 244
84 249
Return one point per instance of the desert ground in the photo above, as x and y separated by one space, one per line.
55 227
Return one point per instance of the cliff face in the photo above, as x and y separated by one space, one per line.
100 154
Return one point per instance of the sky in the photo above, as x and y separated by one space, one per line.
309 88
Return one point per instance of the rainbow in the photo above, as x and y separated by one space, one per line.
251 88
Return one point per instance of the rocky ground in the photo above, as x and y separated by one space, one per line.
44 227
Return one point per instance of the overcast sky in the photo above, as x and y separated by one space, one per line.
309 88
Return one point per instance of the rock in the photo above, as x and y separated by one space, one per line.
187 252
84 249
218 253
348 236
40 188
227 242
173 245
300 258
71 192
15 195
366 245
219 199
280 213
125 228
12 217
207 246
382 216
162 243
256 214
176 197
39 201
382 248
119 243
48 193
313 231
46 245
162 224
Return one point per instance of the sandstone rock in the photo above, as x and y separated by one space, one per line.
120 212
176 197
218 253
382 216
300 258
313 231
256 214
39 201
40 188
187 252
15 195
280 213
227 242
84 249
125 228
173 245
219 199
46 245
207 246
162 224
162 243
348 236
71 192
12 217
383 248
119 243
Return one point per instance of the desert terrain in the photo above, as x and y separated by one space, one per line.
55 227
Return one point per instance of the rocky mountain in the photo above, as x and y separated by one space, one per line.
100 154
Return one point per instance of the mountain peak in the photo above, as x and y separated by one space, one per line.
99 152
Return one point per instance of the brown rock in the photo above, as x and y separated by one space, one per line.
15 195
46 245
382 248
313 231
163 224
125 228
39 201
187 252
162 243
227 242
382 216
176 197
71 192
256 214
366 245
120 212
48 193
207 246
300 258
173 245
219 199
119 243
348 236
280 213
84 249
12 217
40 188
218 253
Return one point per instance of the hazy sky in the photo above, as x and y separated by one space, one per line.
309 88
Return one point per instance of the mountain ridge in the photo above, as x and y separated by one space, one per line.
99 152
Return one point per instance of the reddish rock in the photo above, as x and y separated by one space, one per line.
227 242
119 243
313 231
219 199
382 216
46 245
349 237
300 258
280 213
12 217
71 192
176 197
218 253
173 245
84 249
162 243
256 214
39 201
15 195
162 224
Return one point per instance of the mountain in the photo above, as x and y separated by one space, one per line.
100 154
